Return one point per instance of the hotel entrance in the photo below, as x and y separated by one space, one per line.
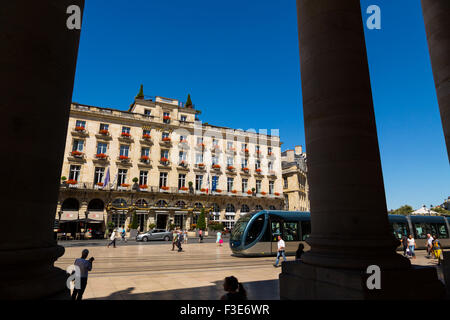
161 220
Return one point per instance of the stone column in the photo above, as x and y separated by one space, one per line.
436 15
37 65
350 227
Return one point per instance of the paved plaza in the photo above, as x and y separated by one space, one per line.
141 272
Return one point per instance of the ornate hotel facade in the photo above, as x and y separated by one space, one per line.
295 182
159 161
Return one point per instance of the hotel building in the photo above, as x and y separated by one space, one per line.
159 161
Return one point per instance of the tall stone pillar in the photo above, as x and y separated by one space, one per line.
350 227
37 67
436 15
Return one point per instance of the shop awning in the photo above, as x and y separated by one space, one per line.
96 216
69 216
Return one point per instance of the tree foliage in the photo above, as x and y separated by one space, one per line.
441 210
201 223
403 210
188 101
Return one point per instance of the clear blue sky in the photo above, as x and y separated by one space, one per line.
239 60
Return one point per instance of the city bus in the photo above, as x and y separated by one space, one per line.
256 233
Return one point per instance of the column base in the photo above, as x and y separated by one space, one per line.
30 274
300 281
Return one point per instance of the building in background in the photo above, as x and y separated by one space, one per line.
159 161
295 182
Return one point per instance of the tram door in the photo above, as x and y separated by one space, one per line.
275 228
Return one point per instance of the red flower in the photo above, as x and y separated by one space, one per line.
218 190
166 139
245 169
263 193
216 166
233 191
125 134
71 181
100 184
125 185
164 159
146 136
80 128
201 165
246 150
276 193
101 155
249 192
230 168
104 131
145 158
258 170
184 188
165 188
123 157
166 117
76 153
203 190
143 186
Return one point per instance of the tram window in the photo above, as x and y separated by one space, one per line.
255 230
399 229
276 230
290 231
306 229
432 228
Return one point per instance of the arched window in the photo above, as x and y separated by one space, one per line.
161 203
216 208
245 208
180 204
119 202
141 203
70 204
230 208
258 208
198 205
96 205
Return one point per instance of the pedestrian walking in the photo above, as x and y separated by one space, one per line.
235 290
219 239
174 238
123 235
405 245
281 251
437 249
299 251
180 240
85 266
200 235
112 238
411 246
429 245
185 234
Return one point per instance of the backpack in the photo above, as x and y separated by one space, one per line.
181 237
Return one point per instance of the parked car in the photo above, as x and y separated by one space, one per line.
155 234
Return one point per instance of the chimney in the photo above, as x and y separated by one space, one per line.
298 150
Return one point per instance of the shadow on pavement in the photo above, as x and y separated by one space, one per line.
256 290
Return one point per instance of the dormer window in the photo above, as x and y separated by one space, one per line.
147 112
183 118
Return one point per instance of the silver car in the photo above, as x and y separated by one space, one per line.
155 234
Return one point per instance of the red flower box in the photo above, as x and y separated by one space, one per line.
125 134
143 186
123 157
125 185
101 155
165 188
166 117
233 191
230 168
100 184
76 153
146 136
203 190
245 150
184 188
104 131
245 169
164 159
263 193
80 128
218 190
145 158
216 166
71 181
201 165
166 139
249 192
258 170
276 193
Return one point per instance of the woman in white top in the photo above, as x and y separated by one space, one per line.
113 238
411 246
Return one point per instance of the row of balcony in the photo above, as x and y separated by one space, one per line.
72 184
167 142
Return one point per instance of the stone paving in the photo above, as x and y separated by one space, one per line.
157 273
